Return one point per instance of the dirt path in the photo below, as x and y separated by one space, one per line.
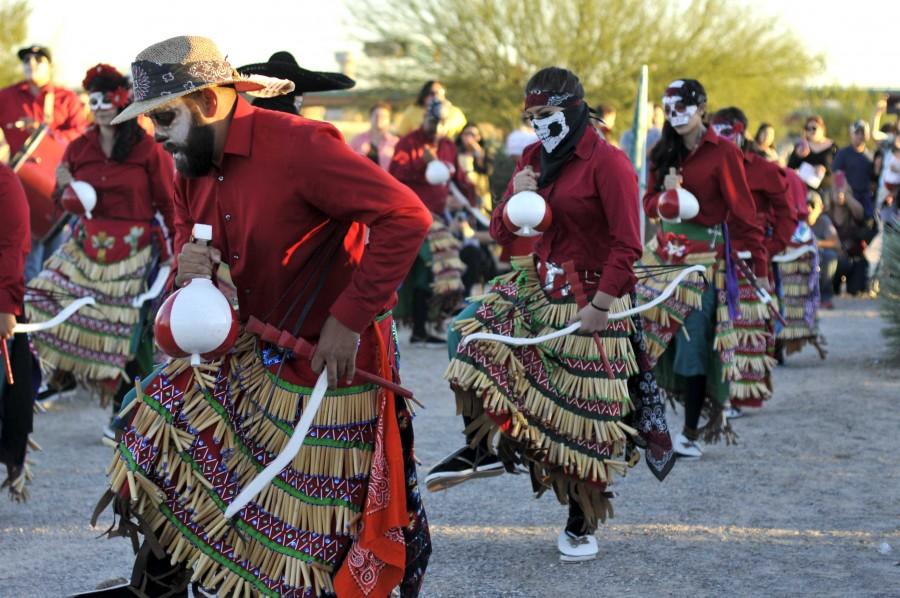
798 508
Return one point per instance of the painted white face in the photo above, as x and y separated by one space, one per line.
97 101
677 112
551 130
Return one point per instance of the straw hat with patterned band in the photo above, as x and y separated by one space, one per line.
182 65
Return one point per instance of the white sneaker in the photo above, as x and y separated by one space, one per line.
687 449
732 413
576 549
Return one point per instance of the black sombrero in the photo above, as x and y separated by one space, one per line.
283 66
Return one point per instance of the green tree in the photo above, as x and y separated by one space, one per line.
484 51
13 29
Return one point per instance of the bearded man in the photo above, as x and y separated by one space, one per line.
291 206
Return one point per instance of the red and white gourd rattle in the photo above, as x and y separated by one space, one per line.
527 214
196 321
79 198
677 204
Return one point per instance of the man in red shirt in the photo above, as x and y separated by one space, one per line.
18 398
426 161
27 105
291 207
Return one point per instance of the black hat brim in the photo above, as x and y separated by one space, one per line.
305 81
40 50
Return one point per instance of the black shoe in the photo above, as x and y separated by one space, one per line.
427 340
465 464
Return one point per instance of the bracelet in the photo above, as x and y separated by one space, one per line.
598 308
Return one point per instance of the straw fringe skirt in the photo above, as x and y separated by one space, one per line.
198 435
552 405
96 343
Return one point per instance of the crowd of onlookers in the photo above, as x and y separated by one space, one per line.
852 190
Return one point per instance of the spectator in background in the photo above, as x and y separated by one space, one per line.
476 164
765 141
855 233
829 245
884 134
654 130
377 143
517 140
813 155
606 123
855 161
411 118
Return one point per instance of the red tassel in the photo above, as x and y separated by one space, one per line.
9 374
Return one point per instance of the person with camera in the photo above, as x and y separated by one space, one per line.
426 160
855 231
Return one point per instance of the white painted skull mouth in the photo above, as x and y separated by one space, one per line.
551 130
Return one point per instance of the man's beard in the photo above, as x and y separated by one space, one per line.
194 158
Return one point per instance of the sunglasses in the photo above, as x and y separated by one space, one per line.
812 129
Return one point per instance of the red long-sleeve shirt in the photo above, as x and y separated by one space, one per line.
595 213
17 103
714 173
408 166
774 206
131 190
281 179
15 241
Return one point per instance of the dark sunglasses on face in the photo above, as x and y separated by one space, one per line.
812 129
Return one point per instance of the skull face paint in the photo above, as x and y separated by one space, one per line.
679 106
551 130
732 131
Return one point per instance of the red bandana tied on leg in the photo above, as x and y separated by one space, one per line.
375 563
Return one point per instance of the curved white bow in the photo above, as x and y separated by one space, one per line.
56 320
287 455
536 340
155 289
790 256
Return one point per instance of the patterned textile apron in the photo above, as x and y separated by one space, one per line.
553 405
112 261
438 269
735 359
344 518
798 292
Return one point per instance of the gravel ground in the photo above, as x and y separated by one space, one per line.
799 507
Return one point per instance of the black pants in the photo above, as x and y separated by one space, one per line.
480 266
17 404
856 269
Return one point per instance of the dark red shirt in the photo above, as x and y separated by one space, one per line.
17 103
714 173
15 241
131 190
594 203
281 179
409 164
775 207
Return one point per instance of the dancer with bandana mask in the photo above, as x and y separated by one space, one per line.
692 336
433 289
559 407
776 213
